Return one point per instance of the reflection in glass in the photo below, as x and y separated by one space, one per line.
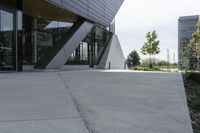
91 49
44 34
6 40
187 26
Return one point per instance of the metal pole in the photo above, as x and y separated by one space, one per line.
174 60
35 41
167 58
109 66
124 65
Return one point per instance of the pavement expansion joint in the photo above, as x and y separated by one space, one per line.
76 104
10 121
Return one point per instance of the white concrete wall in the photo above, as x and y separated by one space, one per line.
114 55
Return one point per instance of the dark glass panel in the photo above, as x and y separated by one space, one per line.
44 34
6 39
91 49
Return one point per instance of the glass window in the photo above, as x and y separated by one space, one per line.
92 47
44 34
6 39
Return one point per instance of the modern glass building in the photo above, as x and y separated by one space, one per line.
44 34
187 25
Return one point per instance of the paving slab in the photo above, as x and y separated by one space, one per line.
71 125
37 103
131 102
96 101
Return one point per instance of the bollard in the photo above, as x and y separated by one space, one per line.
125 66
109 67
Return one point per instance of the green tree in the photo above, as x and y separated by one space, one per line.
151 46
162 63
194 43
133 59
186 55
144 63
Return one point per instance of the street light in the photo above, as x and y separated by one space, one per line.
168 58
174 57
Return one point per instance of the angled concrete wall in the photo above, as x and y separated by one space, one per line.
113 55
99 11
64 54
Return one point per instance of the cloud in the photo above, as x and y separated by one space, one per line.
137 17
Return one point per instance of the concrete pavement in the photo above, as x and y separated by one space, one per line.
93 101
37 103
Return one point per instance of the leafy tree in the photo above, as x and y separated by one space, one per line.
146 63
186 55
133 59
151 46
162 63
194 43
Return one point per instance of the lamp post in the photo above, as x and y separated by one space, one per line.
168 62
174 55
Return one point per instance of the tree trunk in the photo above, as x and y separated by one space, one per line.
150 63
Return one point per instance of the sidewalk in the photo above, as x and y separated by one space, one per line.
93 101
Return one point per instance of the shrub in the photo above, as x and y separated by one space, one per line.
192 76
195 104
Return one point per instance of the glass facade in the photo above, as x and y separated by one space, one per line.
40 36
26 35
91 48
187 25
7 52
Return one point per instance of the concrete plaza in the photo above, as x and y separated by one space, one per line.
93 102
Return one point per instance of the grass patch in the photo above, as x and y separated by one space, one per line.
146 69
140 68
192 76
167 67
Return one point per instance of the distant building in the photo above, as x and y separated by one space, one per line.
186 26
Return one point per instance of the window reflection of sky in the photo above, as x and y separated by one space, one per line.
56 24
6 21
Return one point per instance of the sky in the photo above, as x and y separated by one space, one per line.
136 17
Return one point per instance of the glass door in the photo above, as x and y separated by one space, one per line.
7 60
